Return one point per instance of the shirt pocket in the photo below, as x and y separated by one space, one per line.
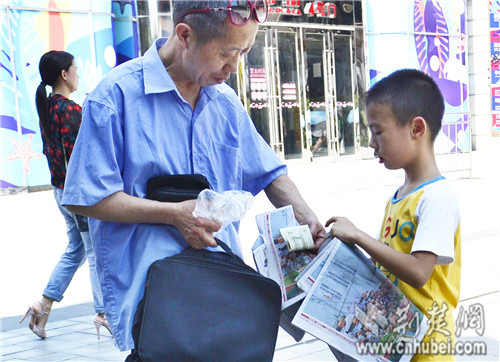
224 167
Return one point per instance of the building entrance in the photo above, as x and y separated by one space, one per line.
300 91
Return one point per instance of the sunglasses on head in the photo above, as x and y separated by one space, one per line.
240 11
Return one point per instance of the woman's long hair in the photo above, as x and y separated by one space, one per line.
51 65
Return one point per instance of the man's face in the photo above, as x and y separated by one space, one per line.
212 63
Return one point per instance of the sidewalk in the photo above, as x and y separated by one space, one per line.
32 239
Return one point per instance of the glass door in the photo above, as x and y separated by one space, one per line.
289 85
319 92
347 120
274 110
331 95
257 87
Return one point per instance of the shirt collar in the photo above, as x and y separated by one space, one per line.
157 79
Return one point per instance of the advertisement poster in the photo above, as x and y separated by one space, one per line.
90 31
429 36
495 64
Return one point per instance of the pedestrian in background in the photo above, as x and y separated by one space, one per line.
60 120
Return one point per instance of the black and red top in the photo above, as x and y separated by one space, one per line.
65 117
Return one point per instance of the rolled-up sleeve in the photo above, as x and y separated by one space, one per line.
94 171
260 165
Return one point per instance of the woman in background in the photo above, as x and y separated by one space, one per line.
60 120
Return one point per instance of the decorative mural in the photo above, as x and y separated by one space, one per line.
30 28
428 35
494 8
125 30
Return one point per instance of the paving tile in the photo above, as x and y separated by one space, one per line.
17 332
62 324
59 356
82 319
6 335
31 353
102 353
17 339
14 348
301 350
324 355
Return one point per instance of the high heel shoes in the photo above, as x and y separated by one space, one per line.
32 311
101 321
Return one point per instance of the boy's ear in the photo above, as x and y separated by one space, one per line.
418 127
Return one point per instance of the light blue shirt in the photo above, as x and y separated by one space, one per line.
135 126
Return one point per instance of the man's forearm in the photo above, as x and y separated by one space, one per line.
124 208
282 191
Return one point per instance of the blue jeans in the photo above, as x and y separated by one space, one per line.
79 248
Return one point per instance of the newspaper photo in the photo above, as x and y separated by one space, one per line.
352 304
309 275
275 260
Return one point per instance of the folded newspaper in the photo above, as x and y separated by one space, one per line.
346 300
278 258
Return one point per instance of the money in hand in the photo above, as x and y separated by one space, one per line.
298 237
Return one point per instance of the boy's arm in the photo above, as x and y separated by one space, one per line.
414 269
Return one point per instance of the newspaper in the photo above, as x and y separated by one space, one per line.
350 302
274 259
309 275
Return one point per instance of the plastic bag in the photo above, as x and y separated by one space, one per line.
228 207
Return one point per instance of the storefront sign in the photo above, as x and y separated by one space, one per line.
289 91
319 9
496 121
258 84
495 93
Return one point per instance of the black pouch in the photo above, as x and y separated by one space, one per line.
201 305
176 188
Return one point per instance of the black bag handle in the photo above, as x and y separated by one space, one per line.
226 248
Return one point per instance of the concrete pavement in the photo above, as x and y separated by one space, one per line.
32 238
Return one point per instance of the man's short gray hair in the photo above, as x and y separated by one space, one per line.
206 26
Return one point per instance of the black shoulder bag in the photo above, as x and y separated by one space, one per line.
201 305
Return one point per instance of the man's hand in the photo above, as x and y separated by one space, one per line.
197 231
281 192
318 232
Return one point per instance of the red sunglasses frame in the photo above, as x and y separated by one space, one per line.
253 12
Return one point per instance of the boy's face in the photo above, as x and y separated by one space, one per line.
392 143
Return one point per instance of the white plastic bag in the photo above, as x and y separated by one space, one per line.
228 207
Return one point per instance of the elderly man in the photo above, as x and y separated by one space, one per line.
170 112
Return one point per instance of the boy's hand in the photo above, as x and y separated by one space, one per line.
343 229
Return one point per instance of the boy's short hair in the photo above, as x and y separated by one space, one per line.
410 93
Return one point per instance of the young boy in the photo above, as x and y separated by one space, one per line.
419 246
